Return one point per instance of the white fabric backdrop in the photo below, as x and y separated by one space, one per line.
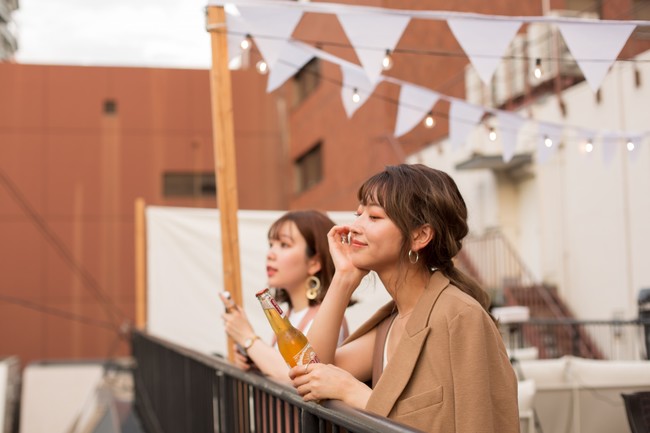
185 273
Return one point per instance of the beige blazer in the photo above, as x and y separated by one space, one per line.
451 372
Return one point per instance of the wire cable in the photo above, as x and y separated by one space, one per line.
91 283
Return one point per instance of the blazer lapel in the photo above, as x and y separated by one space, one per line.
398 372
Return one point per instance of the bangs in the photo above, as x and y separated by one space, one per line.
373 191
276 228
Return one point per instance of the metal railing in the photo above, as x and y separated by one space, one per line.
557 337
181 390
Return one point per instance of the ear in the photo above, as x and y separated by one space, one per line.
314 265
421 237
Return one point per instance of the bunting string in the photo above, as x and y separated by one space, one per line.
374 33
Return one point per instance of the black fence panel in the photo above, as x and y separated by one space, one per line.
180 390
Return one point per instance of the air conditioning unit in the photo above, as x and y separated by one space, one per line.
476 92
545 42
509 80
540 41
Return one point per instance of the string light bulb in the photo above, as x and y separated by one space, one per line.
630 145
492 134
246 43
262 67
547 141
589 146
537 72
387 61
429 121
355 96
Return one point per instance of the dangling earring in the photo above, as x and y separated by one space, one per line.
313 286
413 254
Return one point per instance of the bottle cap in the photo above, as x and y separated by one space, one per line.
261 292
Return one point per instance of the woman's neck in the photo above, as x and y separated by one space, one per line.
298 300
406 290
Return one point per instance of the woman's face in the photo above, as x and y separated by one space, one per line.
376 241
287 264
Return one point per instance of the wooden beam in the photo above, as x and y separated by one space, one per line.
140 266
224 154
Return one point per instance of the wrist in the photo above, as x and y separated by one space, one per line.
345 285
248 343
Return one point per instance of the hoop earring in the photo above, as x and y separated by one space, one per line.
313 287
411 255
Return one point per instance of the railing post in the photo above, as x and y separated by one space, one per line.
575 340
309 422
225 400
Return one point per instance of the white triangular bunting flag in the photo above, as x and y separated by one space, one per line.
463 117
371 35
549 139
290 61
595 47
484 42
611 143
414 103
509 126
271 27
355 81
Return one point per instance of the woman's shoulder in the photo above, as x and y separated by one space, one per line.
453 301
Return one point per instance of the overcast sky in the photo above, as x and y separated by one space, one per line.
157 33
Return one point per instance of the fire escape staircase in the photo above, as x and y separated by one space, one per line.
493 262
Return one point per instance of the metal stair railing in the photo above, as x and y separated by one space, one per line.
494 262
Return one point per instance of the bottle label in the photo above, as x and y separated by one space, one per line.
277 307
306 356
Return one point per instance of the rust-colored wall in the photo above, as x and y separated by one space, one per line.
70 175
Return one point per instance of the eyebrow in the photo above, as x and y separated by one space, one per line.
287 237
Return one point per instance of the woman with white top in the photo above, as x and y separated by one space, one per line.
299 268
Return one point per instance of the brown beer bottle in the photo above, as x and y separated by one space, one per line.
292 343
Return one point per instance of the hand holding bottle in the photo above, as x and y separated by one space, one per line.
292 343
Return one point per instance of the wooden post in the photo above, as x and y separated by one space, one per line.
224 154
140 266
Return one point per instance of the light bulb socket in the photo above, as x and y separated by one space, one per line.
429 121
387 61
262 67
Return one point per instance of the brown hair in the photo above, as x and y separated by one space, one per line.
313 225
413 195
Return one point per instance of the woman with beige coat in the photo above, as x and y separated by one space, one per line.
433 357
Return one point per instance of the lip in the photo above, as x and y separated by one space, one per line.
356 243
270 271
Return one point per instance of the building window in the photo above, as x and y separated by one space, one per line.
110 106
585 6
309 168
189 184
305 81
640 11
